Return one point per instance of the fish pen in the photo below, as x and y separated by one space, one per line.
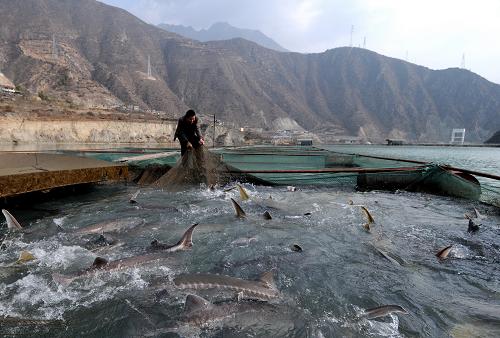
311 166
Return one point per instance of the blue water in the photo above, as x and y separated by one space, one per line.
484 159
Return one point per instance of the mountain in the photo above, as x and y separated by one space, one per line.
223 31
101 56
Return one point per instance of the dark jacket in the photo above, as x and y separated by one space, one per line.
187 132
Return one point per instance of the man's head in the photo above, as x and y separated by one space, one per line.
190 116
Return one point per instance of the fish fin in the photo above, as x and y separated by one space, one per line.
243 193
237 208
195 303
25 256
12 223
367 226
187 238
267 279
368 215
133 198
478 215
64 280
267 215
384 310
443 253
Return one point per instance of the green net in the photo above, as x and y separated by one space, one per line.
310 166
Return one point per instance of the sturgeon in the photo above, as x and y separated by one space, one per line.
243 193
384 310
199 312
101 264
111 226
263 289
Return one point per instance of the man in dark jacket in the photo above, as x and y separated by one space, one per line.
188 132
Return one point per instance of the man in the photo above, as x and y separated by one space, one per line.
188 132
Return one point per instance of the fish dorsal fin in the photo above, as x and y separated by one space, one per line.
267 279
12 223
196 303
133 198
99 262
243 193
367 214
25 256
443 253
187 238
237 208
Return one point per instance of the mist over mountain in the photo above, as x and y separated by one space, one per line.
96 55
223 31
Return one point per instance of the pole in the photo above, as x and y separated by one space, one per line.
213 139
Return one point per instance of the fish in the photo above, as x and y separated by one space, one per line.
133 198
243 193
111 226
443 253
199 311
367 227
350 202
101 263
12 223
239 211
367 214
262 289
384 310
267 215
184 243
296 248
473 227
247 317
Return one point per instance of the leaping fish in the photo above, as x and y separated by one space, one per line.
237 208
12 223
263 289
384 310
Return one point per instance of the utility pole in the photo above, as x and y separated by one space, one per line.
213 139
149 66
54 47
462 65
352 32
364 42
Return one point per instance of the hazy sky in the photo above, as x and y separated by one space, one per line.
432 33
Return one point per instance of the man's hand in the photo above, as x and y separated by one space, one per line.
189 146
202 141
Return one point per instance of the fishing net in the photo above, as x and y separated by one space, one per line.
199 166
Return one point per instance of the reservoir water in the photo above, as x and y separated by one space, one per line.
341 270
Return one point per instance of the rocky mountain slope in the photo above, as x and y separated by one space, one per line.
223 31
101 54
